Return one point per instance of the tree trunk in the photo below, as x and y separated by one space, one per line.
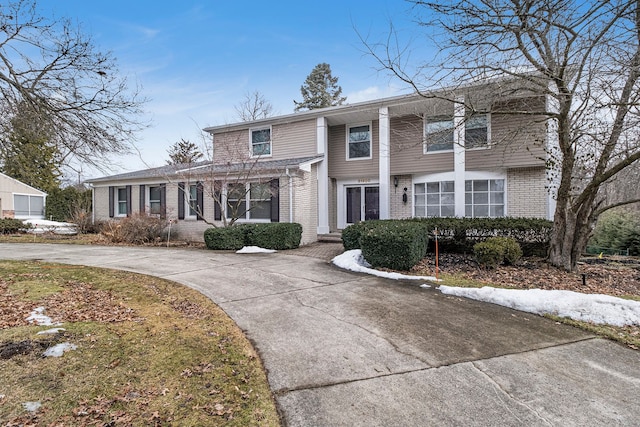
570 234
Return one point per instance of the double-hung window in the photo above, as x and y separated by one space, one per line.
249 201
438 132
359 142
155 200
434 199
192 201
484 198
121 201
260 142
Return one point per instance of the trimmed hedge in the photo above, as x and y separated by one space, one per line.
12 226
275 235
352 233
396 245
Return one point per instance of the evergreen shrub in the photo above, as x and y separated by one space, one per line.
496 251
12 226
352 233
397 245
275 235
224 238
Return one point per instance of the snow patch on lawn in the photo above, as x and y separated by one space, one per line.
59 349
38 317
594 308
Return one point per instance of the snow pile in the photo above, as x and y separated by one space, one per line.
59 349
38 317
352 260
600 309
40 226
255 250
597 308
31 406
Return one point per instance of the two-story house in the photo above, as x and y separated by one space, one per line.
466 152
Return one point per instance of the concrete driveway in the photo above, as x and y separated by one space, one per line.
345 349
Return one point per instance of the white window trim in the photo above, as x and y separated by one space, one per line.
251 130
354 125
187 206
247 196
148 199
425 117
116 208
29 196
468 176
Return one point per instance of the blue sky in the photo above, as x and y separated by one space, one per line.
196 60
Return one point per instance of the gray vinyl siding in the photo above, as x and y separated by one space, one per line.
406 149
339 166
293 140
289 140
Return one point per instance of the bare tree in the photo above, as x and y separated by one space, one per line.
254 106
583 57
52 68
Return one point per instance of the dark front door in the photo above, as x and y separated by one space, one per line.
362 202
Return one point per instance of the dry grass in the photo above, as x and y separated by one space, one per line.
149 352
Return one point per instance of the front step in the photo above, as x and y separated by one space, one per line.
330 238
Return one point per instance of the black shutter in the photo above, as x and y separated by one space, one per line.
217 201
142 198
200 200
128 200
181 197
275 200
163 201
112 201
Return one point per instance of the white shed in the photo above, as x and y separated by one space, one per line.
19 200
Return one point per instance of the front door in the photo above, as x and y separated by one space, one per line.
362 202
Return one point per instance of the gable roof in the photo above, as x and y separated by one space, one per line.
21 184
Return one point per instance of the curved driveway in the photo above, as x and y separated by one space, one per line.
347 349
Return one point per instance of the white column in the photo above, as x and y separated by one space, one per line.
459 154
322 140
384 169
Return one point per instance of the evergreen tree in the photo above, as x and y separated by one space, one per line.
320 90
28 155
183 151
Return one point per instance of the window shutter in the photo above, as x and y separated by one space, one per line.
275 200
217 211
163 201
129 200
112 201
142 198
200 200
181 197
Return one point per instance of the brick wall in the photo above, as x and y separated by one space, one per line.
399 209
527 193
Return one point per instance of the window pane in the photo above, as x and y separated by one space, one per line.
448 211
262 149
433 187
476 130
433 210
122 194
420 200
497 198
36 205
468 198
481 211
359 134
420 211
21 205
236 191
419 189
468 210
260 210
497 185
192 200
433 199
448 187
448 199
260 191
468 185
154 193
359 149
497 211
480 198
260 136
439 134
481 185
